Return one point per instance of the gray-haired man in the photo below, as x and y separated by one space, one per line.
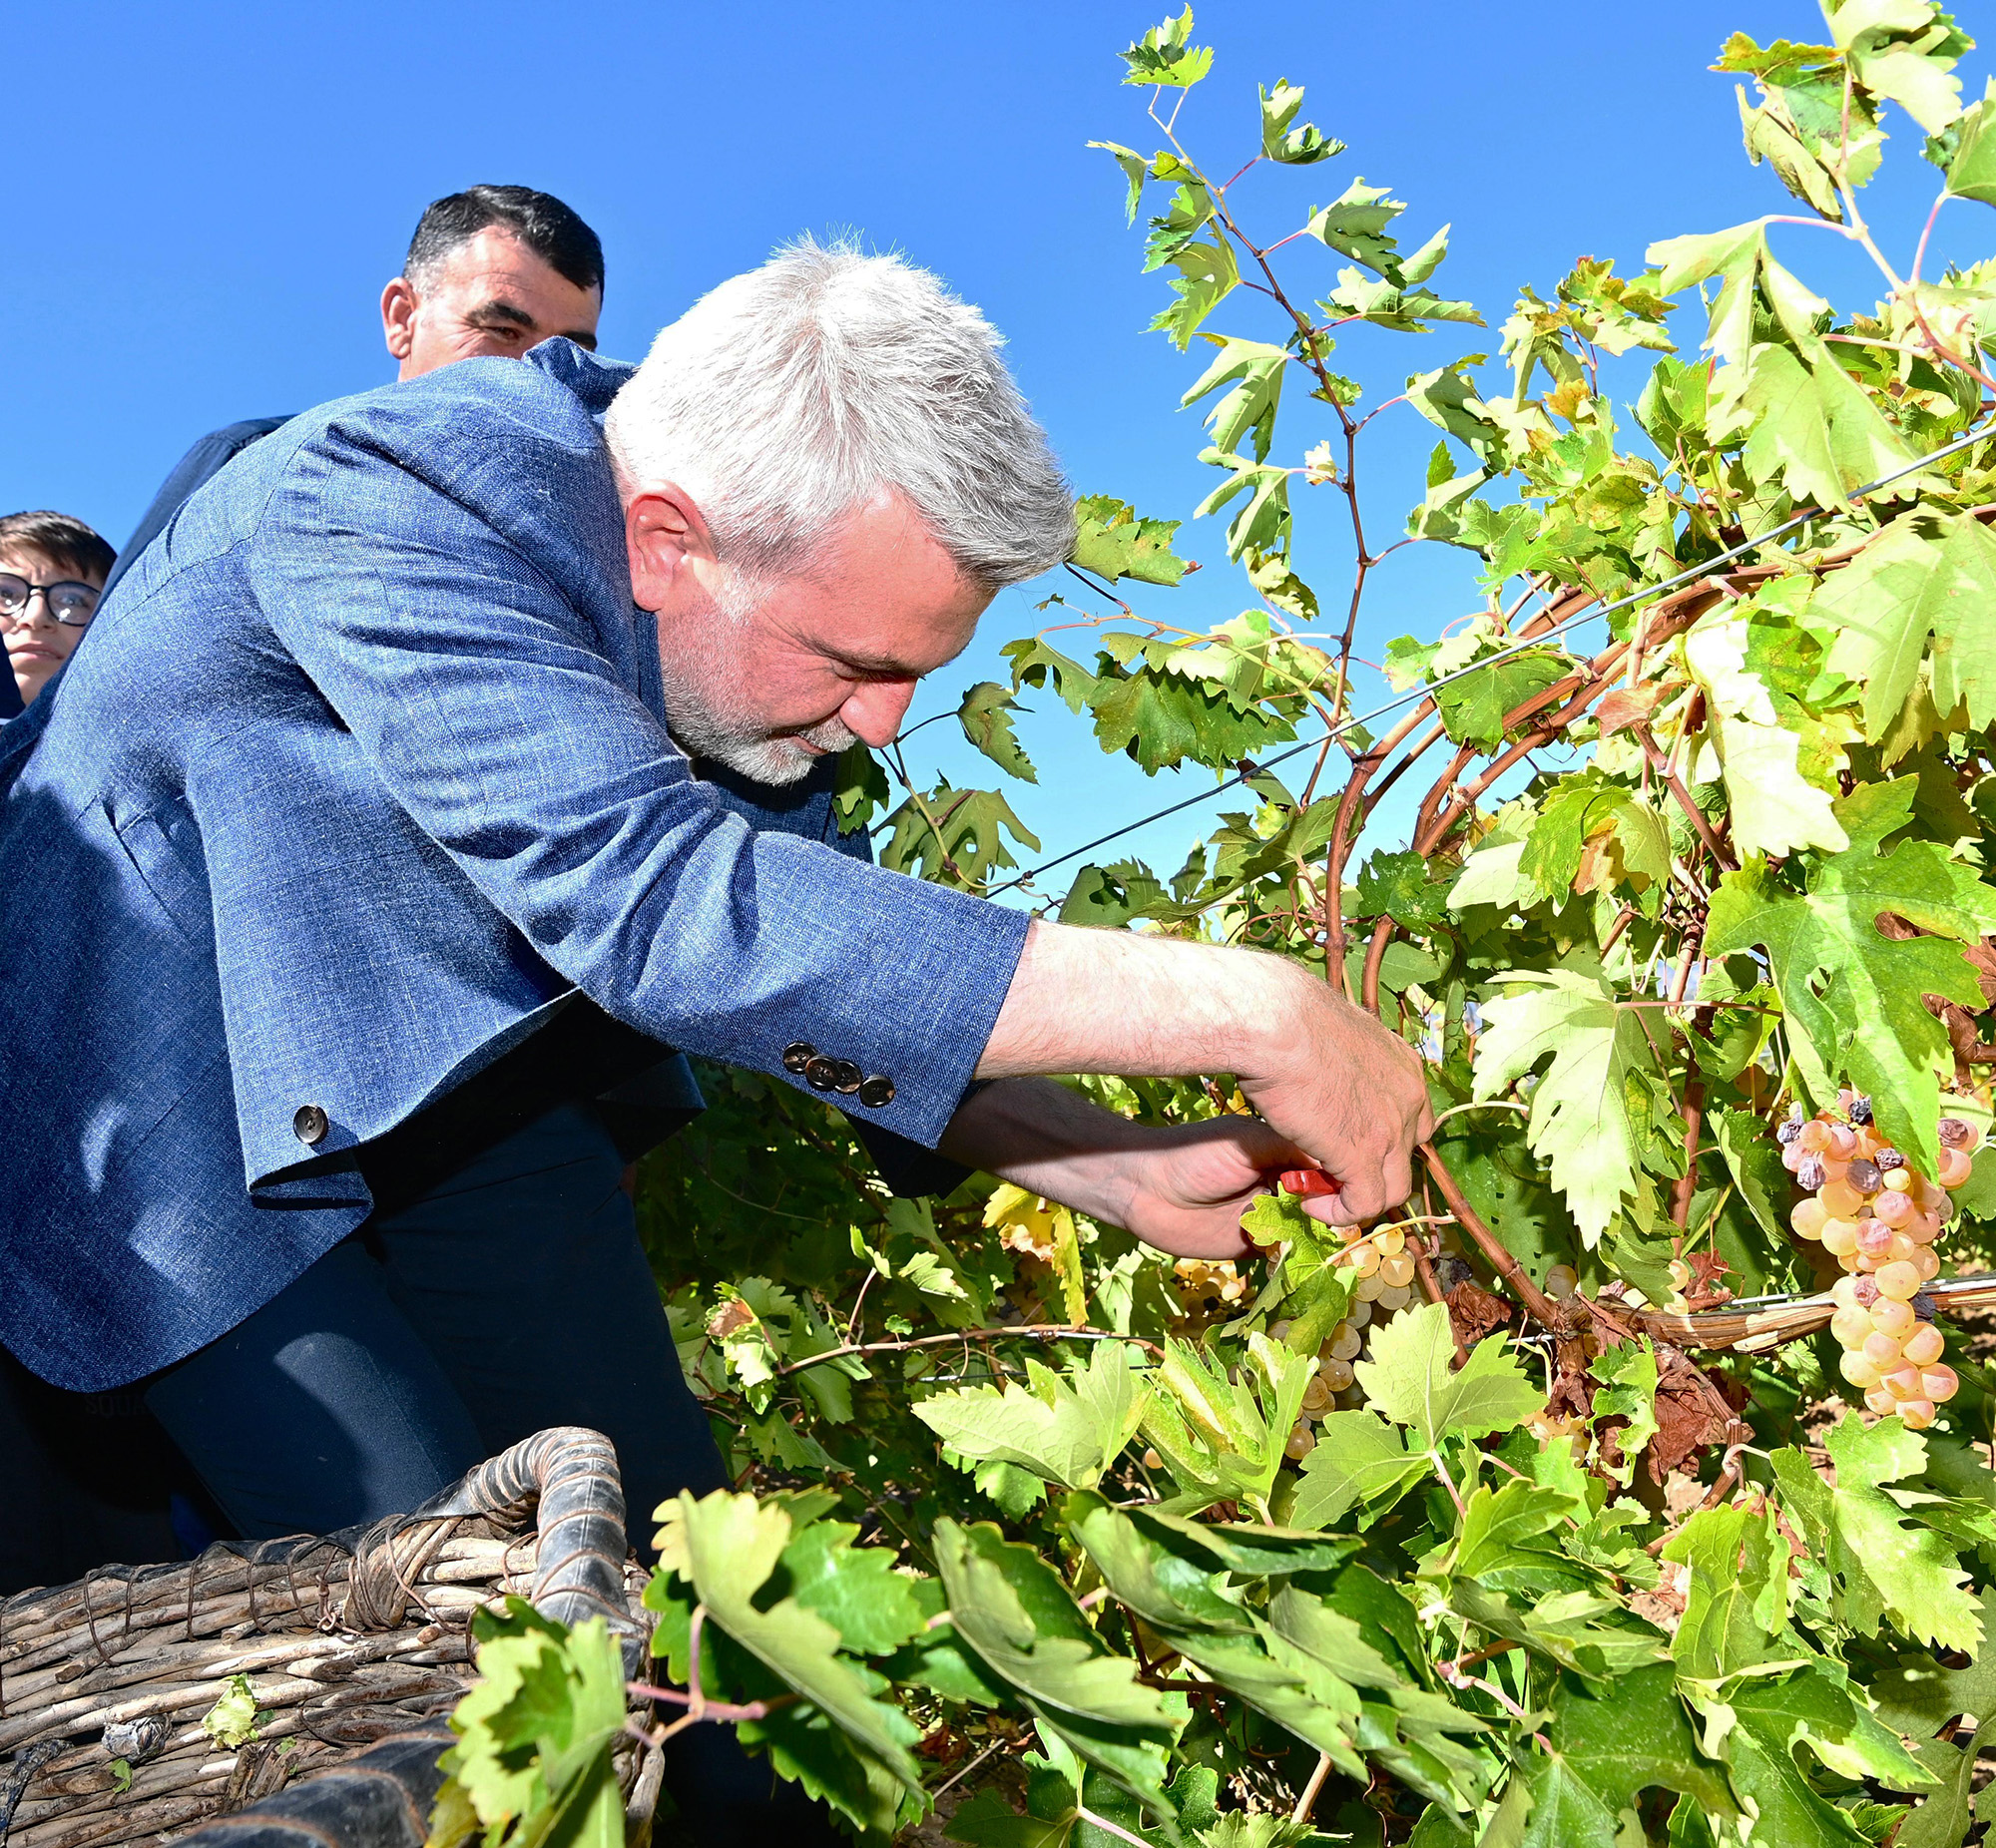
368 887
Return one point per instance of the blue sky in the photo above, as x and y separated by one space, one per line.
205 237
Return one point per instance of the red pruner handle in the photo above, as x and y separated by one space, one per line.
1308 1181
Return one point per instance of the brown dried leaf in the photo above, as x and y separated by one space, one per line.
1629 705
1474 1312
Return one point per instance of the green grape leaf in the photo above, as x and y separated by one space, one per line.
1628 1376
986 717
957 835
1355 224
1473 708
1498 1525
1163 56
533 1732
1918 1695
1112 541
985 1820
1136 169
1221 1433
1591 832
856 1589
861 788
1585 1104
1815 428
1282 141
1065 1428
1886 1569
1922 577
1411 1377
1737 1597
1971 171
1606 1752
1397 886
726 1547
1359 1461
232 1721
1850 995
1254 370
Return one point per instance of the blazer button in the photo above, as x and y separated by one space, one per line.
820 1072
848 1077
876 1093
798 1055
310 1124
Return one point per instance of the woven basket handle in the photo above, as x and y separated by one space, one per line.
567 1475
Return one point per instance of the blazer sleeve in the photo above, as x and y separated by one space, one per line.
488 703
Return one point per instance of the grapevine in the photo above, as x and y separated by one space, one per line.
1631 1481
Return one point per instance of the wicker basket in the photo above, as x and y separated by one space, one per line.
345 1640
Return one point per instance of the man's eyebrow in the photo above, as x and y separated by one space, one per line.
881 666
503 311
584 337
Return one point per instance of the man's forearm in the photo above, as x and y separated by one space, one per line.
1139 1006
1040 1135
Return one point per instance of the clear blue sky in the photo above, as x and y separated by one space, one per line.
200 231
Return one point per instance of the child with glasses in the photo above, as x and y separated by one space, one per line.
52 572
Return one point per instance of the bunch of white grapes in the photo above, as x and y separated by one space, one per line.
1208 1291
1382 1272
1879 1218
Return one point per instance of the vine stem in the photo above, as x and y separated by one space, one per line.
1307 1801
1541 1306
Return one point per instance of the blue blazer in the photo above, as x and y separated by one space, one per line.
359 776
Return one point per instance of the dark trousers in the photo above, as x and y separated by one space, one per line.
513 1297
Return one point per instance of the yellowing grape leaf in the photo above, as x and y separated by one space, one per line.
1920 578
1815 428
1581 1107
1112 541
1851 996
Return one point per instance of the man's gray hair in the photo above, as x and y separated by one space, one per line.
800 391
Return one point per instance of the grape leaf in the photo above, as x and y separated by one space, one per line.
1473 708
1294 147
1736 1597
1411 1377
1606 1752
1360 1460
1921 578
1254 369
1582 1109
1971 172
1628 1390
1855 1527
1163 56
1112 541
854 1588
1850 995
986 717
1220 1432
1064 1428
726 1547
1815 428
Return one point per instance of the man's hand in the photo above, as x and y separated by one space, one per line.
1347 1095
1188 1187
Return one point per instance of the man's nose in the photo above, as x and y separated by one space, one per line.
874 713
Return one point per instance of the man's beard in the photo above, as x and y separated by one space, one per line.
708 717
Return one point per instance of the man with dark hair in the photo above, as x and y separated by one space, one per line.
492 271
52 572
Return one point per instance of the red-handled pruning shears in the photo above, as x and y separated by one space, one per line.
1308 1181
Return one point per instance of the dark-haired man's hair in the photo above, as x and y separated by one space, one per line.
66 543
540 220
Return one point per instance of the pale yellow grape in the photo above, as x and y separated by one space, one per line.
1345 1343
1843 1292
1839 1238
1956 1167
1316 1396
1561 1283
1915 1413
1850 1326
1369 1288
1839 1199
1301 1441
1901 1250
1814 1136
1808 1216
1362 1259
1280 1331
1335 1374
1358 1314
1389 1243
1395 1297
1852 1261
1898 1181
1881 1351
1900 1280
1151 1461
1879 1400
1397 1270
1895 1210
1926 1261
1894 1318
1924 1345
1856 1366
1939 1383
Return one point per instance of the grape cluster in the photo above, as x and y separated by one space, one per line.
1879 1218
1206 1291
1381 1271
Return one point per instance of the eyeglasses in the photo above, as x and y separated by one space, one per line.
67 602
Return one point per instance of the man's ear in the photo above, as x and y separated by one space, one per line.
398 318
667 541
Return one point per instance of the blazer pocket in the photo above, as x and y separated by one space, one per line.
164 846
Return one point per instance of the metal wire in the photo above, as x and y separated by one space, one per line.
1688 576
